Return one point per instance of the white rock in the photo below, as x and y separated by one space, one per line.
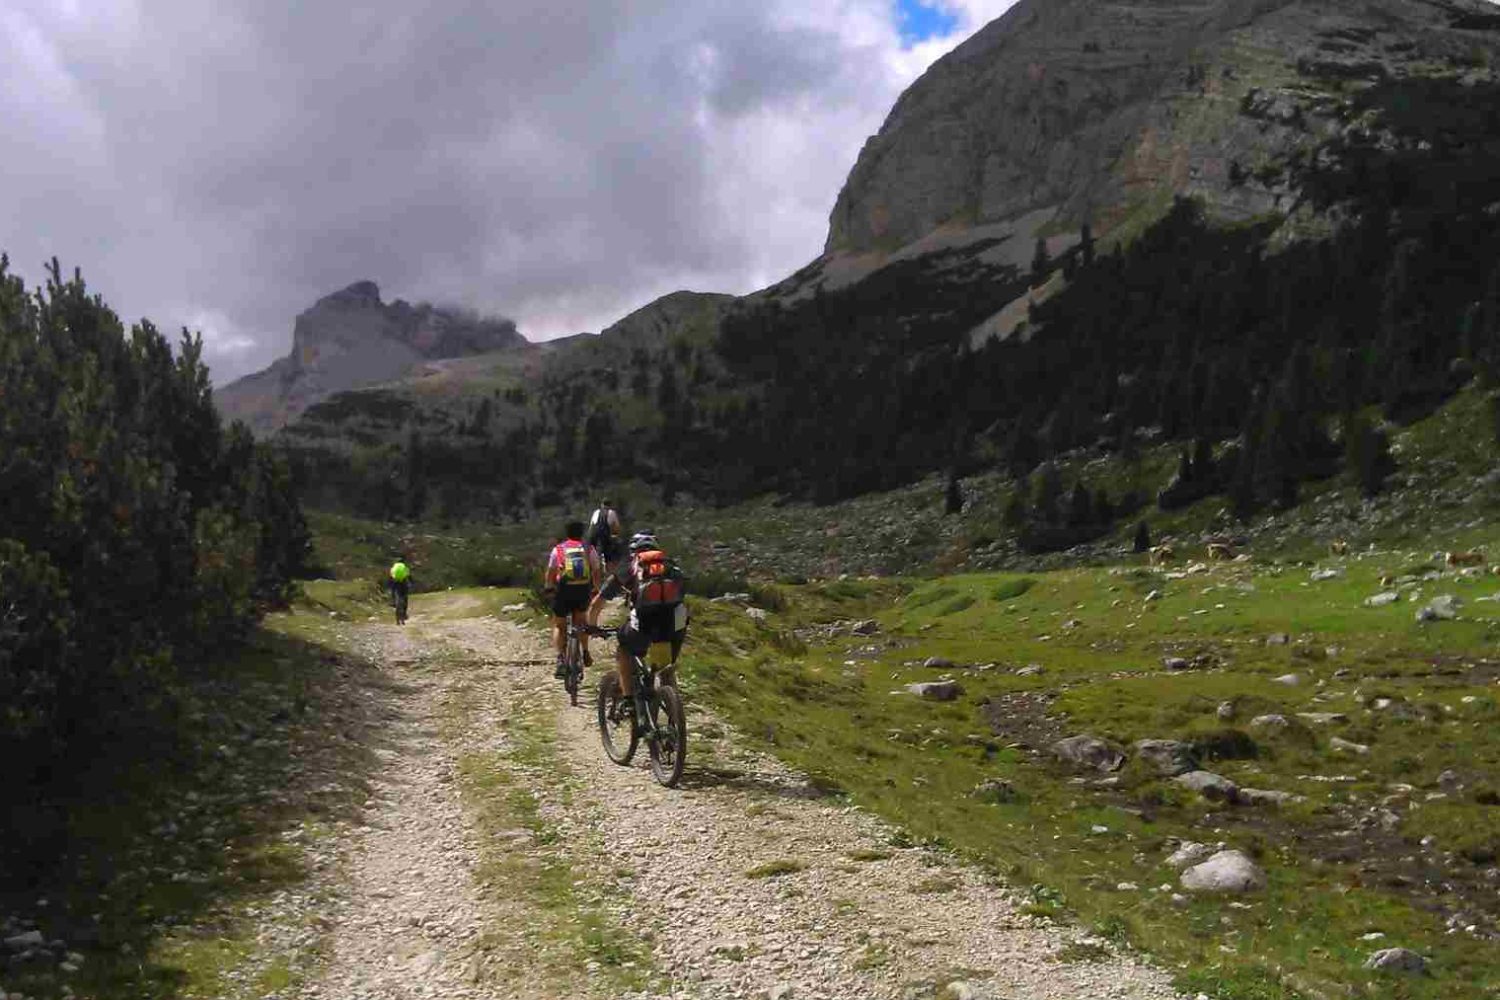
1348 746
1189 853
27 939
1290 680
1402 960
1209 785
1227 871
1382 599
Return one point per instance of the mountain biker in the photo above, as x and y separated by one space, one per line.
399 582
604 533
653 587
572 577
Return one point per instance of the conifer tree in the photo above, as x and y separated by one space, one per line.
1142 538
1041 263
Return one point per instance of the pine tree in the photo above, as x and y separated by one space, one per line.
1104 508
953 495
1080 506
1142 538
1086 243
1041 263
1049 491
1015 508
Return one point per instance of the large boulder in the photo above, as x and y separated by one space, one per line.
1090 752
1398 960
1227 871
1168 757
1209 785
936 690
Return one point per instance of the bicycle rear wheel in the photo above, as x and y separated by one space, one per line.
617 728
669 741
573 671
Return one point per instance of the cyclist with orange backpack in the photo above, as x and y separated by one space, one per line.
573 575
655 589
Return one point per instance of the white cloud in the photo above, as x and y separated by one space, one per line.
221 163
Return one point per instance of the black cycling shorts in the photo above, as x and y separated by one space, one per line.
569 599
637 641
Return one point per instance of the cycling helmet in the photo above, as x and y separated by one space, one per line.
641 541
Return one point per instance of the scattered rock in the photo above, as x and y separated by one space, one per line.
1211 786
1176 663
1169 757
1278 639
1225 711
1270 722
1382 599
1449 779
936 690
994 790
1266 797
1288 679
1227 871
1401 960
1323 718
1444 608
759 614
1348 746
867 627
27 939
938 663
513 607
1155 595
960 990
1189 853
1319 575
781 991
1030 670
1090 751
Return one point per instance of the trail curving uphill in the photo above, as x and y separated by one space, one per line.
505 856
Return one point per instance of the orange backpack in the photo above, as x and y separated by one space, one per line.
660 582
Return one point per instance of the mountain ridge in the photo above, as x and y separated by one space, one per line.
352 338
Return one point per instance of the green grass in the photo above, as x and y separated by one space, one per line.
917 762
175 834
777 868
567 936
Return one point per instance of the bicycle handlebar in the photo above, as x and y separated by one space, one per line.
595 630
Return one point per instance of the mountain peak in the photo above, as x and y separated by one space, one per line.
361 293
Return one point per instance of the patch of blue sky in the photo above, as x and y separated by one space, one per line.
920 20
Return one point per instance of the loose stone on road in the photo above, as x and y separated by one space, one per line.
746 882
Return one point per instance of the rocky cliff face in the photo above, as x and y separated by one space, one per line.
1066 110
350 339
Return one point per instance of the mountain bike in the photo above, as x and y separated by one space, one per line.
398 600
655 714
573 661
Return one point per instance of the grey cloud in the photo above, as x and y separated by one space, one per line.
559 163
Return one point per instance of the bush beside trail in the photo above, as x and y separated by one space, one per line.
136 532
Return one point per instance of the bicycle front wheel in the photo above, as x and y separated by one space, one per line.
669 741
617 728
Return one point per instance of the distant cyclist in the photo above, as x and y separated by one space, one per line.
604 533
399 582
654 587
573 575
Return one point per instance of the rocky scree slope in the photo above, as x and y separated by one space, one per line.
351 338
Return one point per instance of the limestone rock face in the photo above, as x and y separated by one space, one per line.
350 339
1078 109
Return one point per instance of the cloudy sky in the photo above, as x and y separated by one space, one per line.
220 164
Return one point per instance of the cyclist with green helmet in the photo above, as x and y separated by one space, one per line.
400 587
